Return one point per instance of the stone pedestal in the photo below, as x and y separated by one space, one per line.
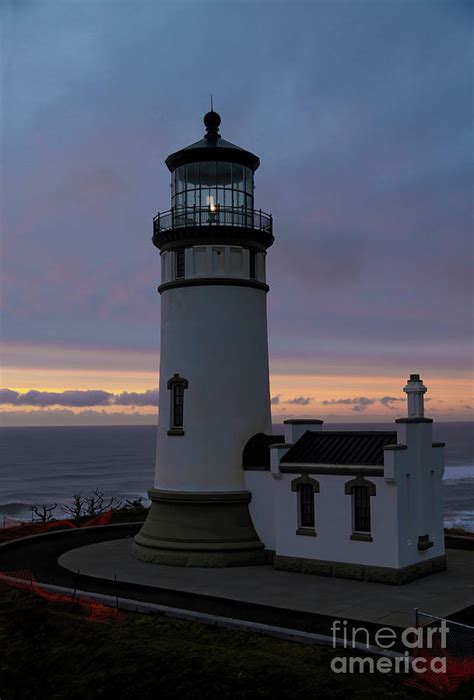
199 529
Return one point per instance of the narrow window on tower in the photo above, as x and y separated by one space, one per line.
252 264
177 385
178 406
180 263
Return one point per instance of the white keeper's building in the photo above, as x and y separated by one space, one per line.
227 492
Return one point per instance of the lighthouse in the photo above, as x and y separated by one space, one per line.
214 378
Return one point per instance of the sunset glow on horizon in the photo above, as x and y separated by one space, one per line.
361 115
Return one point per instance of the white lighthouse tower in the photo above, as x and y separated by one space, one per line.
214 380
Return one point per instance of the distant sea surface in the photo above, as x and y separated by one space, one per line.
48 465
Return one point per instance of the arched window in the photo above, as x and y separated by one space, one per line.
360 491
177 385
306 493
306 488
361 498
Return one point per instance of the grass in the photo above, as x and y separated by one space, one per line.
53 651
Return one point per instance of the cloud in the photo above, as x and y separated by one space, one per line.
146 398
300 400
361 400
388 400
358 404
8 396
468 407
78 398
64 416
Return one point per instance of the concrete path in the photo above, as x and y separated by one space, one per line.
440 594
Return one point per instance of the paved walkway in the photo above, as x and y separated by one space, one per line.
441 594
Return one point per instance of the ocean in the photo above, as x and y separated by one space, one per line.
49 465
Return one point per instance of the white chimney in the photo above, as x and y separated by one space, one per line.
414 391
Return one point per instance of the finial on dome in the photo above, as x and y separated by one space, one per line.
211 121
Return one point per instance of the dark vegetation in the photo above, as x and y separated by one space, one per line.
459 531
83 513
54 651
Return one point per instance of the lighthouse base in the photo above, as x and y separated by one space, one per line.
199 529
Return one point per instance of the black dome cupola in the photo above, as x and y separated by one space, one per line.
212 147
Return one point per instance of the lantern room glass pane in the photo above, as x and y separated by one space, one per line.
208 174
248 180
179 201
220 199
180 179
228 198
238 199
238 176
190 198
193 175
224 175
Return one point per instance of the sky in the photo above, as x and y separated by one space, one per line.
361 112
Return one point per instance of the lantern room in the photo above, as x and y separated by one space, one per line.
212 184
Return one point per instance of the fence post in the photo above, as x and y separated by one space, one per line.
76 583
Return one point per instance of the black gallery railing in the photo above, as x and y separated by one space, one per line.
217 216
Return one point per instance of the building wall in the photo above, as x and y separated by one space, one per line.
333 523
214 261
417 473
261 507
215 336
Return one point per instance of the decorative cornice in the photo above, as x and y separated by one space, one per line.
331 469
360 481
176 432
157 495
361 537
305 479
185 236
206 281
177 379
307 531
303 421
414 420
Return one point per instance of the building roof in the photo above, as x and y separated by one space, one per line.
257 451
340 447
